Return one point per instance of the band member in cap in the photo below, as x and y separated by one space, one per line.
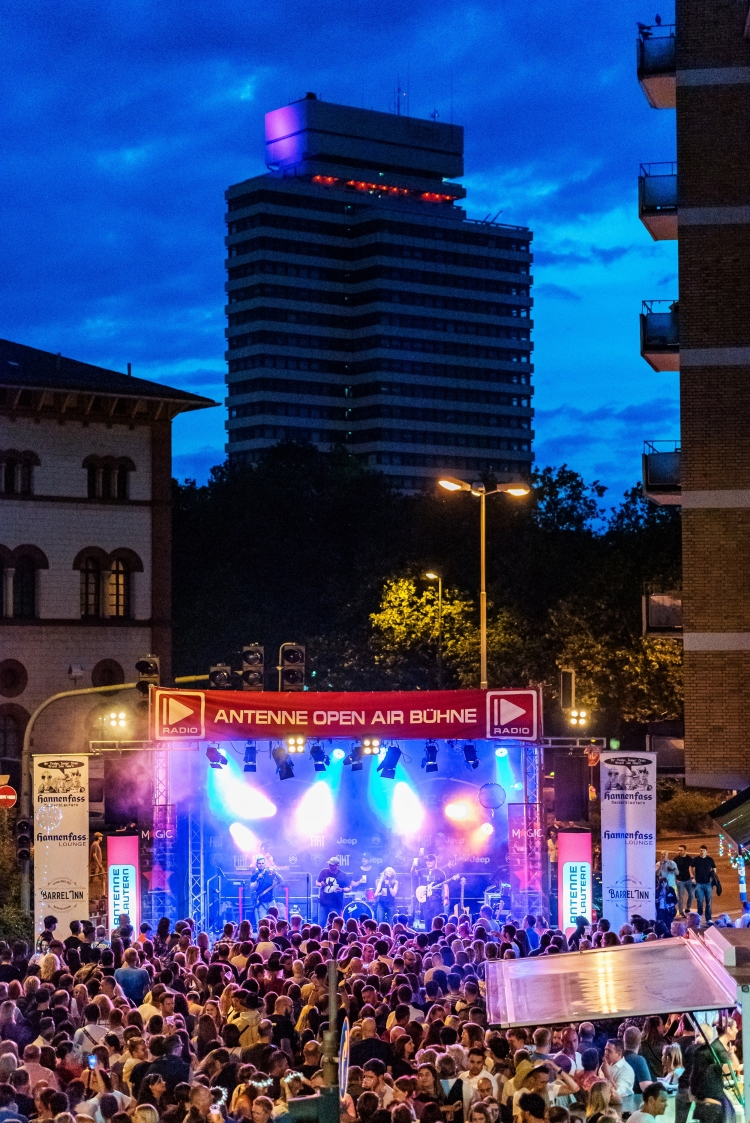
431 880
386 889
262 883
332 884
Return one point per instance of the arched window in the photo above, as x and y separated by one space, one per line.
90 588
17 471
24 589
118 589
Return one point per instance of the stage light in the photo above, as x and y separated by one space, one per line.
295 743
243 838
429 760
338 754
406 810
459 811
578 717
355 756
320 758
314 812
501 751
371 746
470 755
284 766
117 719
486 829
214 757
251 756
387 766
518 787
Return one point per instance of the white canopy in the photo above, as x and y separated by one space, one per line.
633 980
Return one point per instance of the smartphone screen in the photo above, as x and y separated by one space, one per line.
92 1060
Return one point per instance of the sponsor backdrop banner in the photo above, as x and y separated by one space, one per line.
628 797
573 877
231 715
526 855
61 839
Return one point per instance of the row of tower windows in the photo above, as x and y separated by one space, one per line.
351 323
373 366
377 296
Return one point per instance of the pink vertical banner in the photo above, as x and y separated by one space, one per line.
123 880
525 855
574 880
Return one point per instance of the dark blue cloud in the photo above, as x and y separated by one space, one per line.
123 123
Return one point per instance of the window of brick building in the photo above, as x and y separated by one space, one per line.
90 588
24 589
118 589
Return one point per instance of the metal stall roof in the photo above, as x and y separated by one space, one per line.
632 980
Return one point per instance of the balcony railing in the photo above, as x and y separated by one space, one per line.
660 334
662 480
657 200
656 64
662 613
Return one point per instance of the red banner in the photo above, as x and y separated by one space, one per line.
233 715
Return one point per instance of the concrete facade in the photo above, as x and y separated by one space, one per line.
365 309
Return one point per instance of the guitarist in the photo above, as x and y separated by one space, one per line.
263 881
433 880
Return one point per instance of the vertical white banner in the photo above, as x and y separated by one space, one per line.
61 839
628 800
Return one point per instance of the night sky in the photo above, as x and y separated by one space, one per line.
123 123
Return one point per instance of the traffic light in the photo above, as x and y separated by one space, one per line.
220 677
253 667
23 840
292 667
148 673
567 689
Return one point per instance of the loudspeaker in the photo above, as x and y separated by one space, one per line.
571 786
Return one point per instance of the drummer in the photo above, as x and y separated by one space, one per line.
386 889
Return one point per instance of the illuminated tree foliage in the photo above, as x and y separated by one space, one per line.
319 550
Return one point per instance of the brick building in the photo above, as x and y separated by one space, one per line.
85 528
365 309
701 68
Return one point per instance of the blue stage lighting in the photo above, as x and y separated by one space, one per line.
470 755
338 754
355 756
387 766
501 751
284 766
319 757
214 757
429 760
251 756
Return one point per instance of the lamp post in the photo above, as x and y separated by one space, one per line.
436 577
451 483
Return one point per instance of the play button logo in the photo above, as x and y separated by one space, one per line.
176 710
512 713
509 711
179 714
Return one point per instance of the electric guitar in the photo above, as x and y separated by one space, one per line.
424 892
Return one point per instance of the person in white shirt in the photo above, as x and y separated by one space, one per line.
473 1074
654 1104
86 1039
617 1072
743 921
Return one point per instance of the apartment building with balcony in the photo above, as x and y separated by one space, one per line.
700 68
366 310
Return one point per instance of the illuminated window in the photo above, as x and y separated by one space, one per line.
118 590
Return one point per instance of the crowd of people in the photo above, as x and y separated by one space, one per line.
168 1026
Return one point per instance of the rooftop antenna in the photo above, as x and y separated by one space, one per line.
451 97
499 212
434 115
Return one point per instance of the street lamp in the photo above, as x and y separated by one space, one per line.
436 577
451 483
